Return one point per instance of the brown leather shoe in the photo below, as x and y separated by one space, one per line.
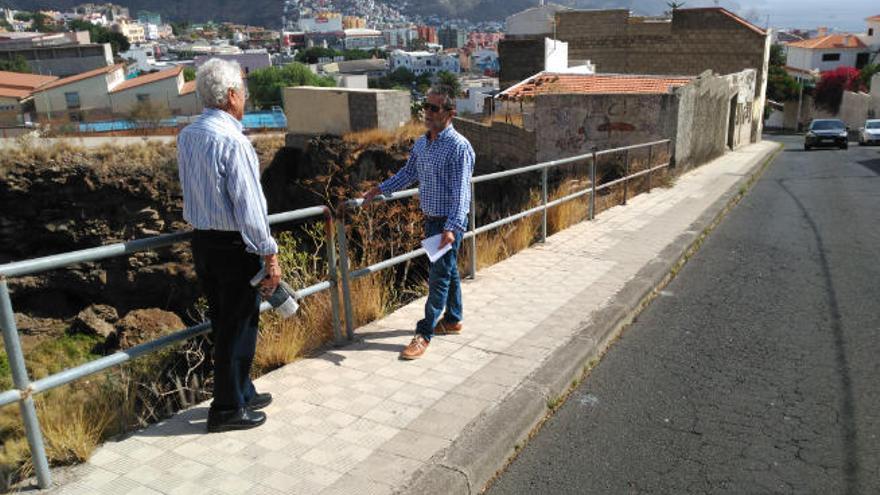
446 328
415 349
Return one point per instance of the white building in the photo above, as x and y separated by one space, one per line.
151 31
533 21
871 37
400 37
144 56
474 101
424 62
830 51
322 23
485 60
363 39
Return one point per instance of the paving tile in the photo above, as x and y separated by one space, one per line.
356 420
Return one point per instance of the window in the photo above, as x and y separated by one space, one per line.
830 57
870 31
143 98
72 99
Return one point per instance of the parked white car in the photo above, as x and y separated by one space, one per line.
870 134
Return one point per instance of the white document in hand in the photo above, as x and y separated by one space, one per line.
433 249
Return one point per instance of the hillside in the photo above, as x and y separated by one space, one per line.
268 12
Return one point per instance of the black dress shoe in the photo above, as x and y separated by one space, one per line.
259 401
235 419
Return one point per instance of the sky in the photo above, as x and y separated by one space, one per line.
845 15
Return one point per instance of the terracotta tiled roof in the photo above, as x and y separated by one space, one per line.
873 18
20 85
147 79
830 41
79 77
188 87
548 82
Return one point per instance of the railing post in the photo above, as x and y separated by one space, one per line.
22 383
593 185
544 202
344 268
473 222
625 175
333 275
650 165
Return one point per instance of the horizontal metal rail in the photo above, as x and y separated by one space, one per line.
348 275
25 390
336 242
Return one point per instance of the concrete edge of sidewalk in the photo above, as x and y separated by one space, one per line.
491 441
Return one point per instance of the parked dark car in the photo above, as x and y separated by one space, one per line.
827 132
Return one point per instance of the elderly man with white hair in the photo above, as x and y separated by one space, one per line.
224 203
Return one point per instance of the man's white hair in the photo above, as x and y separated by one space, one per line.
214 79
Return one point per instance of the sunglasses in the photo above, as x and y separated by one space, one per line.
434 108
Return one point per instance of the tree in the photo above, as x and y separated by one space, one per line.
449 82
314 54
265 84
43 24
777 55
146 114
189 74
100 34
16 64
832 84
867 73
179 28
781 87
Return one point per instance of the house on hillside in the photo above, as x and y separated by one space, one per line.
104 94
16 96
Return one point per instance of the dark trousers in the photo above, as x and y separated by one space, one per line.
224 270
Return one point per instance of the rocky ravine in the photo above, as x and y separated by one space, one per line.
69 199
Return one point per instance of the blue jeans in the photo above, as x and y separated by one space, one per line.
444 285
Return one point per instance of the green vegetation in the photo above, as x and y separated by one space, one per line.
100 34
189 73
265 84
403 78
867 73
17 64
781 87
449 82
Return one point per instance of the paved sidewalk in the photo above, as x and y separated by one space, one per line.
359 421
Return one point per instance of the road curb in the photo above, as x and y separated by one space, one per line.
491 441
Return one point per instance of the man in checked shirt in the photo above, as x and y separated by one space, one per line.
442 161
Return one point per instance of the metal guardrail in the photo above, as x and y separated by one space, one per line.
334 225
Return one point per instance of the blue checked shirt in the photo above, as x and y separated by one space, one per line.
443 168
220 178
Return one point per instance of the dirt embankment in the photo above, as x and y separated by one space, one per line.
60 199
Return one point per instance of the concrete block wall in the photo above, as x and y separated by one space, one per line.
521 58
572 124
498 146
695 40
703 130
312 110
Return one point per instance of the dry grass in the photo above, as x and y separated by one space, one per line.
513 118
383 137
74 422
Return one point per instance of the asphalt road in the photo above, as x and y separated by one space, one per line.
757 370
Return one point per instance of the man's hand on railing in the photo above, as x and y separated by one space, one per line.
273 275
372 193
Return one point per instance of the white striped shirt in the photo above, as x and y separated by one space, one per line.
220 178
